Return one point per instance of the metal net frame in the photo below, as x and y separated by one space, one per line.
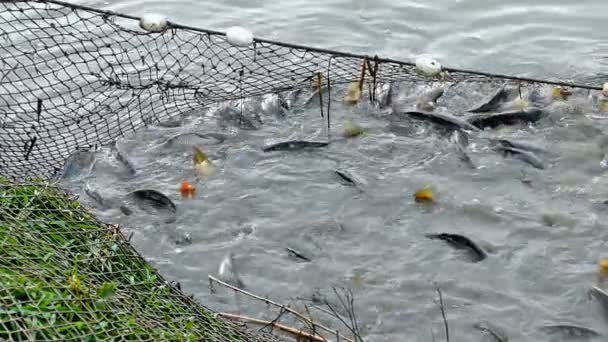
76 78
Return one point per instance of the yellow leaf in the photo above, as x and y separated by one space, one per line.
603 104
354 93
560 93
424 195
351 130
199 156
604 267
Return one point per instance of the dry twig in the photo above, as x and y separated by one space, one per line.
296 332
286 308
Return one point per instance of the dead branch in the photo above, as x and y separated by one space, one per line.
286 308
445 320
298 333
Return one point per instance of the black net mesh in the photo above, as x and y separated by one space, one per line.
76 78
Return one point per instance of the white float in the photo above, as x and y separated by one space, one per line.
153 22
427 65
605 89
239 36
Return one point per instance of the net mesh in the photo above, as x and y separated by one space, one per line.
65 276
75 78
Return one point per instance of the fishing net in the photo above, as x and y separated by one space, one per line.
75 78
65 276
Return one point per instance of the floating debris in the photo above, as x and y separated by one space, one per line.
351 130
294 145
424 195
461 242
297 254
525 156
155 198
353 94
570 330
514 117
187 189
497 333
444 120
204 167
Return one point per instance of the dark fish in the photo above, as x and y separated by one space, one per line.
123 160
492 102
525 156
345 177
514 117
443 120
601 296
95 196
155 198
571 330
520 145
297 254
294 145
428 101
461 242
233 115
125 210
497 333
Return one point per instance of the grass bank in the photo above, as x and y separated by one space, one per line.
66 276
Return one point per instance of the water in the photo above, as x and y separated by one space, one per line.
544 240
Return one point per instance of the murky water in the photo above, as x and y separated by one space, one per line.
544 236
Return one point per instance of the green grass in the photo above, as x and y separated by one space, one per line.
65 276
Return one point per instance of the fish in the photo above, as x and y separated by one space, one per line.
428 101
126 210
461 242
233 114
513 117
384 98
444 120
494 101
227 272
155 198
294 145
571 330
601 296
123 159
520 145
347 178
497 333
459 141
95 196
273 104
76 163
297 254
523 155
193 138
